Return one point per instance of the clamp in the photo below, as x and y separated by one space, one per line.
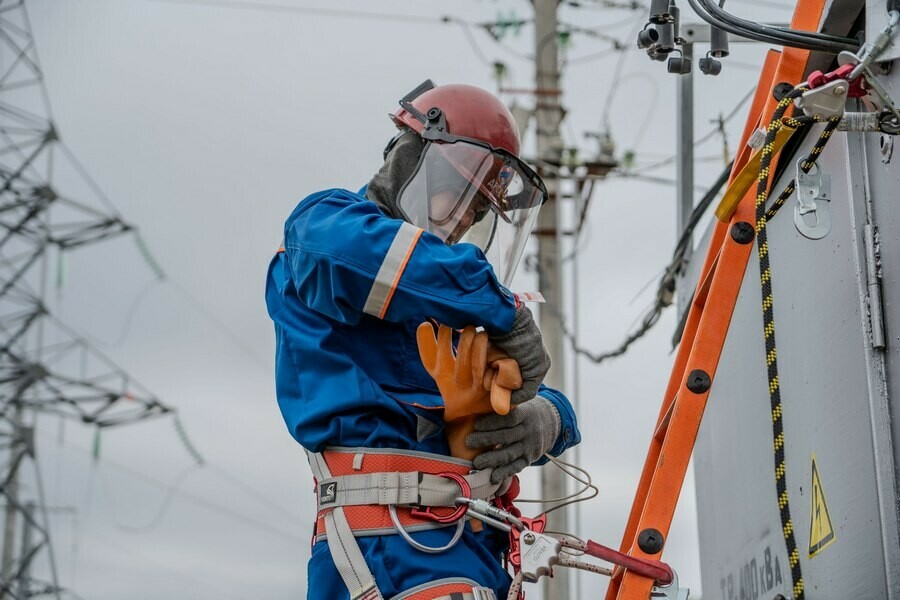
856 88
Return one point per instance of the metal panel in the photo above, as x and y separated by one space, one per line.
885 186
822 350
883 154
863 169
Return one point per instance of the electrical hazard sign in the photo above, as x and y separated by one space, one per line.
821 531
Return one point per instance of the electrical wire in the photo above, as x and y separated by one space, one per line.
646 178
705 137
233 337
669 160
473 43
719 11
718 17
665 289
310 10
594 56
251 491
605 4
587 483
95 187
186 442
357 14
731 114
617 76
193 498
160 513
160 568
654 101
594 33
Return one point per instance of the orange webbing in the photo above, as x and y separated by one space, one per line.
373 517
440 590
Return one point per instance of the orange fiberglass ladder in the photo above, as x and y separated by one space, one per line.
704 335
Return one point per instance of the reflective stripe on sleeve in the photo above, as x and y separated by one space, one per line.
391 269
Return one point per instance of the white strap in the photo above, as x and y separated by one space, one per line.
345 552
401 489
391 268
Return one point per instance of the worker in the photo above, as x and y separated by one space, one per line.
435 235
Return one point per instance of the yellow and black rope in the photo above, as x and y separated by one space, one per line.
765 274
807 164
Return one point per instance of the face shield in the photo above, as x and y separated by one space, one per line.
464 191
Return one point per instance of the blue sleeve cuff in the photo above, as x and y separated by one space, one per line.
569 435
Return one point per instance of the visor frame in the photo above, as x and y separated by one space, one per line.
435 130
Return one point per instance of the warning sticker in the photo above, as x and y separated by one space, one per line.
821 531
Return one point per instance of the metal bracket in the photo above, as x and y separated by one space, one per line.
811 215
671 591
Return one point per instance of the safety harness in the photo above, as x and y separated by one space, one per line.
371 491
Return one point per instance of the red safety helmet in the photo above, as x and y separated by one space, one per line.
470 112
470 184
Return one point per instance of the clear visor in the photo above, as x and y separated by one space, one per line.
464 192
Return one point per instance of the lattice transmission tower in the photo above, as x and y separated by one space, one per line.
45 367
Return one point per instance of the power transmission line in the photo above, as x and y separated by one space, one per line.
174 489
311 10
44 366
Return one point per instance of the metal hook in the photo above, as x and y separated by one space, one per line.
813 192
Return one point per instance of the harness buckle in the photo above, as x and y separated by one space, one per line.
426 512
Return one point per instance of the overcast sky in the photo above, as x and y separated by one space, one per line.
205 125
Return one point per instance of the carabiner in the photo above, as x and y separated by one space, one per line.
426 512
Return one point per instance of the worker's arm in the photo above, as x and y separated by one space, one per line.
348 259
543 425
568 425
325 396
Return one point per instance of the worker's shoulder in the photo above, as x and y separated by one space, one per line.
333 200
332 195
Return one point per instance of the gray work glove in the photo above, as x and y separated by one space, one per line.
517 439
525 345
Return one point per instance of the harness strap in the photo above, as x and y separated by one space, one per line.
407 477
345 552
409 488
454 588
358 488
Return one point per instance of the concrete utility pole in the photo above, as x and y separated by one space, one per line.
548 114
685 165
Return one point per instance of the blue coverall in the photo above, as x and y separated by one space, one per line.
346 378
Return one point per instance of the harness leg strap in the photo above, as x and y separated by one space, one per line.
345 552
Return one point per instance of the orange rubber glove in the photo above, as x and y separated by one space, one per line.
477 380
